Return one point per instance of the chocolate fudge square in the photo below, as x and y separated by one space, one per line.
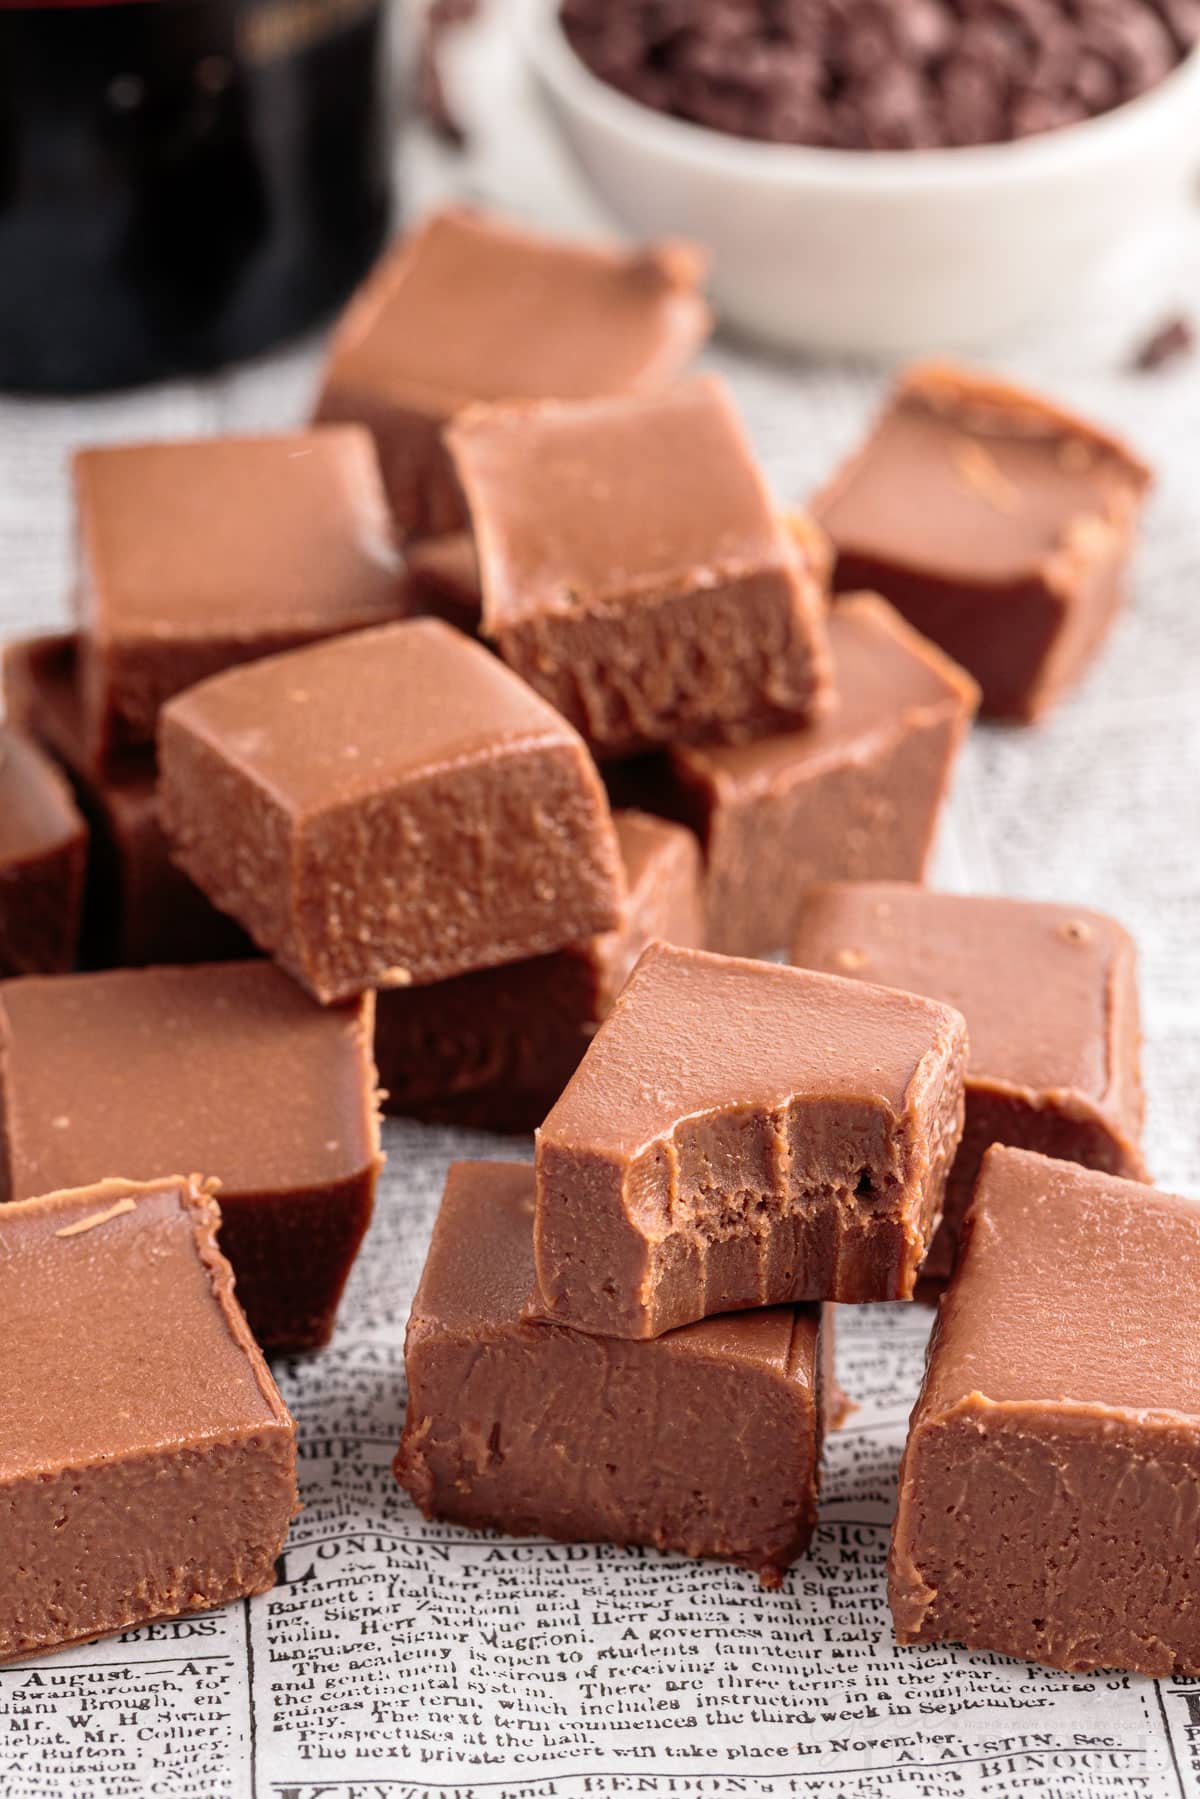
472 308
855 796
198 555
147 1462
139 908
389 808
1000 525
1049 993
1051 1482
494 1049
43 854
232 1069
539 1431
634 571
741 1134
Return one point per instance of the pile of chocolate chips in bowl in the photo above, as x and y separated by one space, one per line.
883 74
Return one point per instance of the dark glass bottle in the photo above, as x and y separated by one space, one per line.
182 182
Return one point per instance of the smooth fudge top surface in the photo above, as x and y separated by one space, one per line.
227 1067
232 535
607 501
694 1034
347 718
475 308
1034 981
121 1333
976 480
886 676
1073 1289
37 813
479 1274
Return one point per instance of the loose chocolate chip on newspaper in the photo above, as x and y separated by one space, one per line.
1174 339
883 74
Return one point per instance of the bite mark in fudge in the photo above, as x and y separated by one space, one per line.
997 523
494 1049
634 572
43 853
855 796
469 308
706 1441
1051 1482
741 1135
230 1068
388 809
1049 993
147 1462
138 908
198 555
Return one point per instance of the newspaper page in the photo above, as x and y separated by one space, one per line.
398 1657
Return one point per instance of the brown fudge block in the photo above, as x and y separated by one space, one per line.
541 1431
43 853
229 1068
1049 993
139 908
855 796
634 572
389 808
444 574
195 556
495 1049
999 524
740 1134
1051 1483
147 1462
471 308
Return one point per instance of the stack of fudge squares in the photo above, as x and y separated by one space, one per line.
469 754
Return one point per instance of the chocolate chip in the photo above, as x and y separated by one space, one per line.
1174 339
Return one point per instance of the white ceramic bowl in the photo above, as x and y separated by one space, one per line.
877 252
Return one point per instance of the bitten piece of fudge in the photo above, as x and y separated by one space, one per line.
388 808
229 1067
635 572
998 523
1051 1482
1049 993
741 1134
147 1462
494 1049
706 1441
473 308
43 854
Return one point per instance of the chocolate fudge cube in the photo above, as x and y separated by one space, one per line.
855 796
229 1068
444 576
539 1431
388 808
998 524
43 852
147 1462
471 308
740 1135
495 1049
1051 1482
634 572
139 908
1049 993
195 556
